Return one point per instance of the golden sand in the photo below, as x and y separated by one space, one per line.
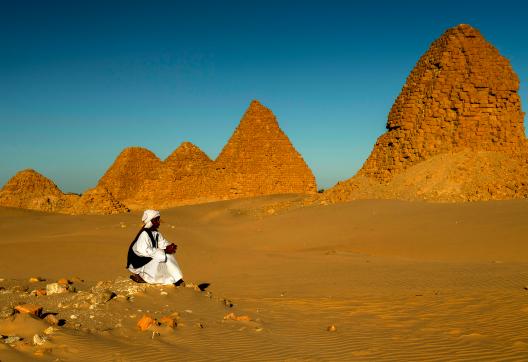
365 280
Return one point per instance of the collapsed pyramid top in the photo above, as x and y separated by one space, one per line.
462 94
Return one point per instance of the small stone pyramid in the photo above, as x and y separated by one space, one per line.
98 201
187 159
259 158
462 94
131 169
29 189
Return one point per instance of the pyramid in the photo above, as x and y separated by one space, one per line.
455 132
131 169
187 159
259 159
462 94
29 189
98 201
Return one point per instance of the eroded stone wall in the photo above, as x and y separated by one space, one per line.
462 94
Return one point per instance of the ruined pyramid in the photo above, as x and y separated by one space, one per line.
28 189
461 99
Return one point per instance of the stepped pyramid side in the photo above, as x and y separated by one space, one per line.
455 133
187 159
462 94
124 179
259 159
98 201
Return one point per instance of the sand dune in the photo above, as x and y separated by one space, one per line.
398 280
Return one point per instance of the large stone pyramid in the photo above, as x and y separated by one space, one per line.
461 99
461 94
259 159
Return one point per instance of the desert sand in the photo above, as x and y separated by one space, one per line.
363 280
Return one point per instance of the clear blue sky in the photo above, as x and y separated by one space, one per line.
81 80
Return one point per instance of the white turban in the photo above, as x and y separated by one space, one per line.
148 215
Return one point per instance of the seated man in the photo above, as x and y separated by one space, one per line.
151 257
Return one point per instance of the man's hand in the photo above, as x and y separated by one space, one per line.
171 249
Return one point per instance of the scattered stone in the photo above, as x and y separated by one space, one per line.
19 288
50 330
234 317
6 312
64 282
38 292
29 309
146 322
164 293
170 320
331 328
73 316
12 339
52 319
36 279
103 296
56 288
188 311
526 287
39 340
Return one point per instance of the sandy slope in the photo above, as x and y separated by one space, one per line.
399 280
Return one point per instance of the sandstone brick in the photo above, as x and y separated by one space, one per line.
455 132
146 322
462 80
29 309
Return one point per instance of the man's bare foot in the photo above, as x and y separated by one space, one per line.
137 278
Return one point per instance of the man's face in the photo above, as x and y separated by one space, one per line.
155 222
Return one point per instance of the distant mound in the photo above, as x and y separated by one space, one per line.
29 189
454 177
460 110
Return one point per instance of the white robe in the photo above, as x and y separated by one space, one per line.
163 268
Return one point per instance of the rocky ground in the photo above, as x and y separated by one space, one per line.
36 313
